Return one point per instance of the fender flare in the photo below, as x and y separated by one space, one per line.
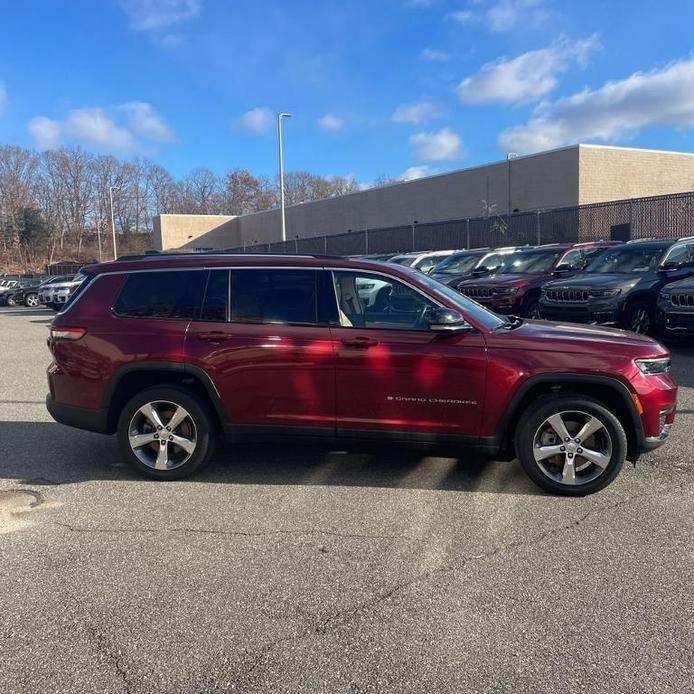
180 368
563 379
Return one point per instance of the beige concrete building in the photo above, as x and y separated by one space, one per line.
566 177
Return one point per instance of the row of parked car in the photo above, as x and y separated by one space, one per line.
52 292
646 286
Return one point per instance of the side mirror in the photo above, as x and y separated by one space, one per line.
482 270
562 269
670 265
446 320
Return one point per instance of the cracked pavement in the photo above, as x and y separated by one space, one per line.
299 570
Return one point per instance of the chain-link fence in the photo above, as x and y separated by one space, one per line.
662 216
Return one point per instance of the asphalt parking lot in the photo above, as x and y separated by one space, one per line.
307 571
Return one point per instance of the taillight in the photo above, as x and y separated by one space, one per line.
61 333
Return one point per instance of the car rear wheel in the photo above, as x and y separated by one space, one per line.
11 301
639 318
571 445
32 301
167 433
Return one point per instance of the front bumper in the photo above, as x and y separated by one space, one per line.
598 314
675 321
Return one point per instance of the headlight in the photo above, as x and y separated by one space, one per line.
653 367
605 292
505 290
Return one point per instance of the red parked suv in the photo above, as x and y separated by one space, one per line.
169 351
516 286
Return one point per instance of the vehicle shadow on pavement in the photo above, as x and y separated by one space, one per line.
45 453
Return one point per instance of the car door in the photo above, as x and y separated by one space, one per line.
270 358
396 377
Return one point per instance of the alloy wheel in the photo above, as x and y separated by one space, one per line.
640 321
162 435
572 447
32 301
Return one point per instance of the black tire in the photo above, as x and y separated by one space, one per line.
32 301
203 430
532 309
611 439
640 318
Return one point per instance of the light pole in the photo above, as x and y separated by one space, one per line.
280 116
509 156
113 224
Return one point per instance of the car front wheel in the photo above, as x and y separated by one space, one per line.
639 318
167 433
571 445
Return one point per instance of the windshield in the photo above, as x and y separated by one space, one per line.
404 260
530 263
633 259
467 306
457 264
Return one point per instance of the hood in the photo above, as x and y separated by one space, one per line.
598 280
62 285
551 336
685 285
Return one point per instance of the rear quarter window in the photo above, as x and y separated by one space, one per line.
175 294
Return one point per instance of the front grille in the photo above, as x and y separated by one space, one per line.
574 296
682 300
477 292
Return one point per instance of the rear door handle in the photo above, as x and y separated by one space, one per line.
214 336
361 342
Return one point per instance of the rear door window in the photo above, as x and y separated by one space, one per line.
274 295
172 294
216 303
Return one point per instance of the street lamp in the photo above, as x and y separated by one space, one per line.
509 156
280 116
113 224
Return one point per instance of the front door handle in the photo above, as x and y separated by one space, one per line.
214 336
361 342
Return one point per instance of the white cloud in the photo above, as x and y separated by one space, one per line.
415 172
617 110
509 14
502 15
330 122
417 112
258 120
461 16
46 133
144 120
444 144
3 97
433 55
100 128
153 15
528 77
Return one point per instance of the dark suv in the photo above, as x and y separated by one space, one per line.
621 286
515 287
170 351
675 314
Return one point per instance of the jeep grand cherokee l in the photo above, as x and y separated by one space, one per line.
621 286
170 351
675 312
515 287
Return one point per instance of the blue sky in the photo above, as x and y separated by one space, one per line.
395 87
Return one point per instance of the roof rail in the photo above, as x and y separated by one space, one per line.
686 238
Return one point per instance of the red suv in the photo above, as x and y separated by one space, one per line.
171 351
517 285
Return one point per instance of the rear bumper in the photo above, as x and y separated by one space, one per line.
78 417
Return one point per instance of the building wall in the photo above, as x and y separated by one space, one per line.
194 231
616 173
544 180
565 177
